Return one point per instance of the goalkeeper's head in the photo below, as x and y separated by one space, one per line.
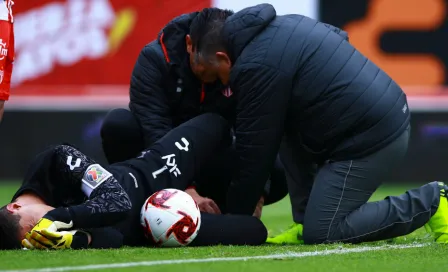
10 233
16 219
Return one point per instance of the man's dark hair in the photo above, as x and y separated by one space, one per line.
9 230
205 31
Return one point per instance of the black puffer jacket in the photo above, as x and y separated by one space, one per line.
296 76
164 91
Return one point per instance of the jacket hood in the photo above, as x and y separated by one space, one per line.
240 28
172 38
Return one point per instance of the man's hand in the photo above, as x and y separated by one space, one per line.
49 224
46 239
45 223
205 204
259 208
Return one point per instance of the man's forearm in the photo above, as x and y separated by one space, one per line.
107 204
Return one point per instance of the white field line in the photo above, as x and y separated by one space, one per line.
224 259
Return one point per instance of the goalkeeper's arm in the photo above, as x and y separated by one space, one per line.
107 203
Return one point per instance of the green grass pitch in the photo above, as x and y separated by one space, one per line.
414 252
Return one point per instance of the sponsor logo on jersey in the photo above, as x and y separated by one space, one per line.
95 175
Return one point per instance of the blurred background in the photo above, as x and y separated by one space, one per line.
74 59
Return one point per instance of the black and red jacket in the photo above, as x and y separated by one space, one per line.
164 92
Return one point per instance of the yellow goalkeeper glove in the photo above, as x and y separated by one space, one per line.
45 223
52 233
47 239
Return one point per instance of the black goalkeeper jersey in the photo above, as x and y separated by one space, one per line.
57 174
64 177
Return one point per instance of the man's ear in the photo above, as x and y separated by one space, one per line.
13 207
224 59
189 44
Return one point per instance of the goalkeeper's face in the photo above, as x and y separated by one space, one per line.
29 214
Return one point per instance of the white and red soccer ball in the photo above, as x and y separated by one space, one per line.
170 218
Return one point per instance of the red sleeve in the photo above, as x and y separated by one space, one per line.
6 57
4 94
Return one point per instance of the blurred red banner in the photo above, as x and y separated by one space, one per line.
79 42
80 53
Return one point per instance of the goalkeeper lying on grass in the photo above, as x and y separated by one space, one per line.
69 201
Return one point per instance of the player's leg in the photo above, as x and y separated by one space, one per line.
174 160
217 229
121 136
300 172
338 211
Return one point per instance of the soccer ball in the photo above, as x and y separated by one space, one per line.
170 218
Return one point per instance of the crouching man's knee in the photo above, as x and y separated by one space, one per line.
312 235
119 122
